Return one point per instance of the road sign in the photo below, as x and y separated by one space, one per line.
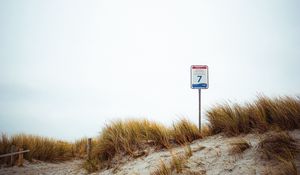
199 80
199 77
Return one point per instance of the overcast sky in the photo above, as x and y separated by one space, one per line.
69 67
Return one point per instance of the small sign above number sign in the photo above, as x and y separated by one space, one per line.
199 77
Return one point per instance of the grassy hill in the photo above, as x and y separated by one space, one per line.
265 122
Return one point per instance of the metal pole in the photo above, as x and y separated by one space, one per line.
200 110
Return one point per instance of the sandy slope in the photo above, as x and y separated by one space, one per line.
64 168
210 156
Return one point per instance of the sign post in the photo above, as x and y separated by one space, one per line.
199 90
199 80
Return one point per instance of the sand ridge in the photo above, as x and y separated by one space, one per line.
211 156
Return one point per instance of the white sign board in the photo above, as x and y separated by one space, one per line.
199 77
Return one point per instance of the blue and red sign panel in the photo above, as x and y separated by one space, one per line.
199 77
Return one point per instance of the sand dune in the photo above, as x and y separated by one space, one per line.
210 156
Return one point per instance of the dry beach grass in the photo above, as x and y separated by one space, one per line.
259 116
41 148
127 137
280 147
135 138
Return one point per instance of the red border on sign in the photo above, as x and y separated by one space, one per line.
199 67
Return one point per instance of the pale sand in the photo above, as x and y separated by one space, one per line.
39 168
210 156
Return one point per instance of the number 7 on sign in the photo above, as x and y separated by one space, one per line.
199 78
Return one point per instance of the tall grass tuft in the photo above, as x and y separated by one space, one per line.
178 162
91 165
279 146
41 148
185 131
163 169
127 137
188 151
287 168
261 115
80 147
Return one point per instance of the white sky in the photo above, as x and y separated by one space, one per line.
69 67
